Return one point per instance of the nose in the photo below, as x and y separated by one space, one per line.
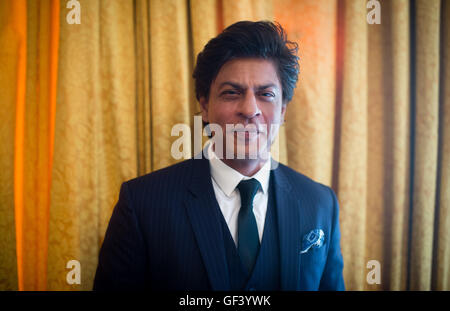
248 107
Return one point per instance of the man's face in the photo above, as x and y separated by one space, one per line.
246 91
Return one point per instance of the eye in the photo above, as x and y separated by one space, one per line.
230 92
268 94
230 95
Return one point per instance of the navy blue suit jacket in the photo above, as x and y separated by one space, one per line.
164 233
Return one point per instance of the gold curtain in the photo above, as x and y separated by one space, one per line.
87 106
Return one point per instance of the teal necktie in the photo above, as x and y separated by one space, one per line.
248 238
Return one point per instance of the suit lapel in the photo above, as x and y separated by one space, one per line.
203 212
204 215
289 224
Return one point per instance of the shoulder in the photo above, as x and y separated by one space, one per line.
317 201
303 185
173 177
173 171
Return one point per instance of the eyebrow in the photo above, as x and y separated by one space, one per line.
242 87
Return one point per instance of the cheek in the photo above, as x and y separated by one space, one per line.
272 115
221 114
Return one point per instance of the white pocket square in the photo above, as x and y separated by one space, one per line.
314 239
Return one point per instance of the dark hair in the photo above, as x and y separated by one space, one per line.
245 39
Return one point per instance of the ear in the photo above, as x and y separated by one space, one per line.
283 112
204 106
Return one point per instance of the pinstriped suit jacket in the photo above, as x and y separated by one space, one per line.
165 234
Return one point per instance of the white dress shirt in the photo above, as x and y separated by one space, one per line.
225 180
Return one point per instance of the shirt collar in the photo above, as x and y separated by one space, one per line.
228 178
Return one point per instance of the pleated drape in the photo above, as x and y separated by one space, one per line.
87 106
95 134
310 115
426 124
12 92
143 111
352 157
396 84
37 30
171 97
441 264
42 62
361 124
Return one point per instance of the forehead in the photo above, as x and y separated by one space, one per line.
248 71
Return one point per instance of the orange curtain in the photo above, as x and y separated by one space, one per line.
12 80
35 26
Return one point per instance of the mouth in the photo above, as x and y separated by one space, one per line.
247 130
247 134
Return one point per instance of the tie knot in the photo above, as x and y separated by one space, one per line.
248 189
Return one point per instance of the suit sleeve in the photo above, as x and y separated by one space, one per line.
332 278
122 258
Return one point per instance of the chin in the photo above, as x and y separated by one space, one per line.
249 152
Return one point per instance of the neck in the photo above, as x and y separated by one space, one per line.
247 167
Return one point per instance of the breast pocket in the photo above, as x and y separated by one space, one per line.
312 265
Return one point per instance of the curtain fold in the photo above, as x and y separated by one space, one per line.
143 112
310 115
41 75
441 274
203 29
387 207
171 97
95 137
426 124
88 106
12 93
352 165
370 103
397 177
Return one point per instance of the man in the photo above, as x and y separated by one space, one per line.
233 219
